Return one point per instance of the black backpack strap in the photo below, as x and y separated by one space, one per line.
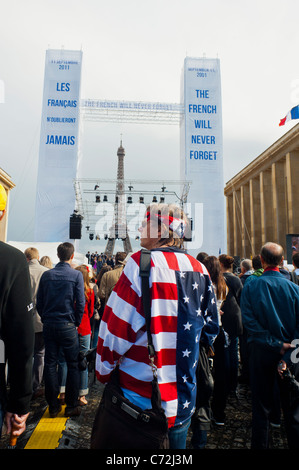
144 271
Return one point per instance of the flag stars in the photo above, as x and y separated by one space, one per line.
198 312
186 353
187 326
185 378
186 404
186 299
182 275
195 286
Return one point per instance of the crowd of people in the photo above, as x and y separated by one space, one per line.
214 324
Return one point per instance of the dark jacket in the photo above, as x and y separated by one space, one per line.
232 318
60 296
270 311
16 328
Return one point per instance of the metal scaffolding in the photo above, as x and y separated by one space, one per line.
135 112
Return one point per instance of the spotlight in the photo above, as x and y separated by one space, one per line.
129 200
162 199
91 236
141 199
105 198
98 198
96 187
155 199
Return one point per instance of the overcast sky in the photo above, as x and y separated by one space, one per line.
134 50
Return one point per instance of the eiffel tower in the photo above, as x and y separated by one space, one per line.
119 227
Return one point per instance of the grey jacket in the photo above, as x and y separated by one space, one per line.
36 270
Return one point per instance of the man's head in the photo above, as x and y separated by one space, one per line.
120 257
246 265
164 225
295 259
256 262
3 201
271 254
65 251
31 253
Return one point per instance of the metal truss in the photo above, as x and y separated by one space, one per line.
97 196
135 112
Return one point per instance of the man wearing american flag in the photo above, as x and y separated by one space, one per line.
183 312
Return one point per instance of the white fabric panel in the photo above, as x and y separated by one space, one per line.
57 168
202 154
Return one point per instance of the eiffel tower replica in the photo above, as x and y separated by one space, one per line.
119 228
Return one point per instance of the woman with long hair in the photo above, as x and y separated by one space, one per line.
208 384
226 362
84 331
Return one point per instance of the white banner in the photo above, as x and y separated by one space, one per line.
202 153
58 153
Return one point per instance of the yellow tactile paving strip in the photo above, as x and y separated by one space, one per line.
48 431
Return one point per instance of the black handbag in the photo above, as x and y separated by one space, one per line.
119 424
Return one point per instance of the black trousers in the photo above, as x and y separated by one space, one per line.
263 375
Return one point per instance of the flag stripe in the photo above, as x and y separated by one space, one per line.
182 303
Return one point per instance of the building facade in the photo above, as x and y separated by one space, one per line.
262 200
7 183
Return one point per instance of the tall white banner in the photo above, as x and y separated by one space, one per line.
202 154
58 152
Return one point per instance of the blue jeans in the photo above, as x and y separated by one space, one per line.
84 344
178 435
61 336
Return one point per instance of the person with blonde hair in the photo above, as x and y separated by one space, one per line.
182 303
46 261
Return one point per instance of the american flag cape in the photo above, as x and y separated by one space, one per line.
183 312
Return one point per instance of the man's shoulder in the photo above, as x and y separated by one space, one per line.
37 268
9 253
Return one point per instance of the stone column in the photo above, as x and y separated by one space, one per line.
237 223
279 202
267 216
292 175
255 215
245 222
230 223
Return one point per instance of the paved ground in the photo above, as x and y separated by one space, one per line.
236 434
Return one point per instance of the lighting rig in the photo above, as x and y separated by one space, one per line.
96 202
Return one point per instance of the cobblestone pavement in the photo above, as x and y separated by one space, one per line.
236 434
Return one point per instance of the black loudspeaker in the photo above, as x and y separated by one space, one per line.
75 227
237 264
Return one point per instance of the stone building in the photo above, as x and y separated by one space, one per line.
7 183
262 200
